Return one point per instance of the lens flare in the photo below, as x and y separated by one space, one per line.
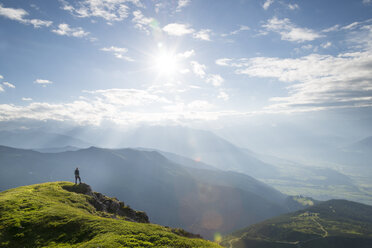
217 237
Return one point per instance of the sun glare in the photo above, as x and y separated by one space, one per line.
165 63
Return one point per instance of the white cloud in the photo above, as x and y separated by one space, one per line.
234 32
350 26
289 31
361 36
187 54
199 105
158 6
118 52
223 61
331 29
177 29
267 4
119 106
65 29
1 77
293 6
203 34
223 95
198 69
143 23
196 106
129 97
9 85
110 10
43 82
214 79
1 88
182 4
77 111
39 23
19 15
367 1
13 14
97 109
307 47
326 45
317 81
26 99
347 28
34 6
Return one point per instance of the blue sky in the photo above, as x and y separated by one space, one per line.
189 62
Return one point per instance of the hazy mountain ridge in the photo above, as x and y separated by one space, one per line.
362 146
62 214
57 149
323 182
196 144
178 159
36 139
330 224
348 178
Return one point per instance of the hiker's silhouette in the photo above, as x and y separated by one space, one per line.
77 176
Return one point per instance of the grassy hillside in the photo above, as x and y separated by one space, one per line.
51 215
331 224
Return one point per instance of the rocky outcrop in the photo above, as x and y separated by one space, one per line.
109 205
182 232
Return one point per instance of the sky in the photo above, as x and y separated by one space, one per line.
204 63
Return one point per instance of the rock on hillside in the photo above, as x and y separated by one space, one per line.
108 205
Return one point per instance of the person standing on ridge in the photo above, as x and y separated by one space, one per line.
77 175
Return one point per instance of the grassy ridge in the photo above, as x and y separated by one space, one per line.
47 215
331 224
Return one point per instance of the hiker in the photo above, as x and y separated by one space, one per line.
77 176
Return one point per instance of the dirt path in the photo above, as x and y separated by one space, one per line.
325 234
321 227
231 241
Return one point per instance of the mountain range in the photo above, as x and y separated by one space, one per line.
346 174
34 139
199 200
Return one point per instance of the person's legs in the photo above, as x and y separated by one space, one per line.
79 179
76 177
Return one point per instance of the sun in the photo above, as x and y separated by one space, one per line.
166 63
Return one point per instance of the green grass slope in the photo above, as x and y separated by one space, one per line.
331 224
48 215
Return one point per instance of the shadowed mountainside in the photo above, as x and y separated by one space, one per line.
331 224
